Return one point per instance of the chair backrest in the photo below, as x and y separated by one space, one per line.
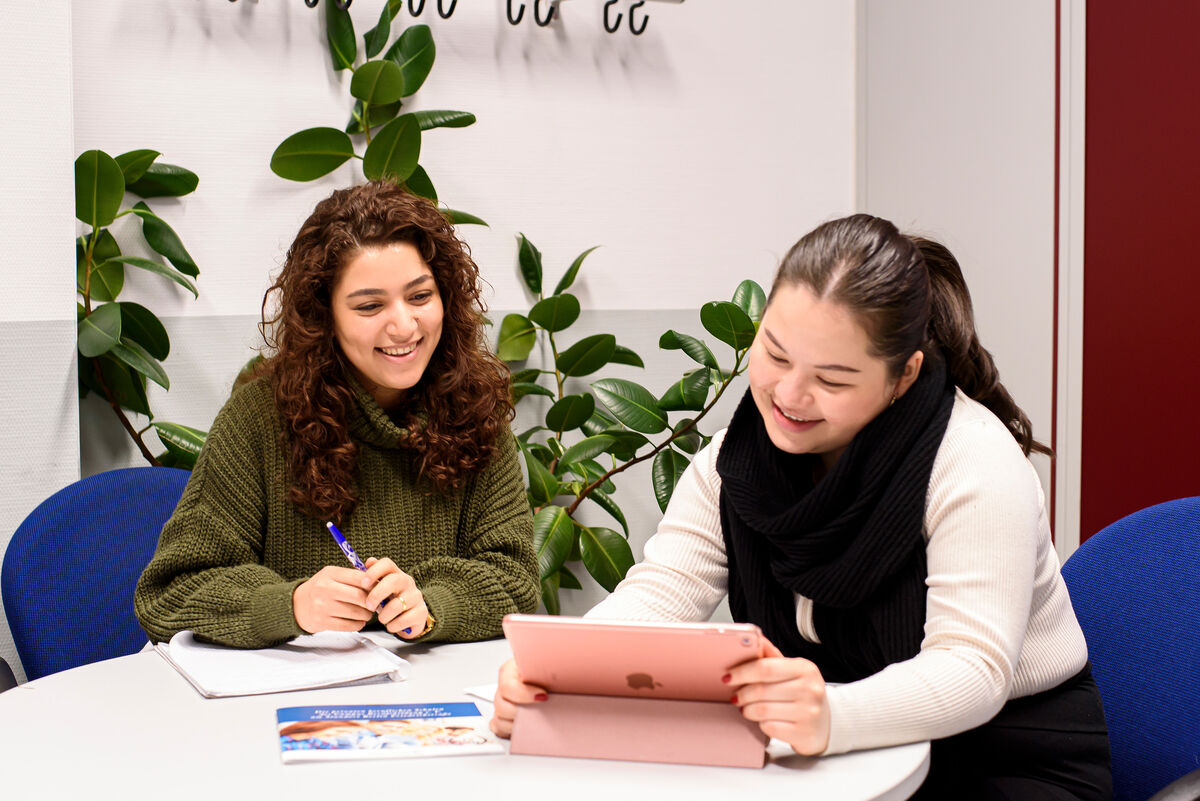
71 566
1135 587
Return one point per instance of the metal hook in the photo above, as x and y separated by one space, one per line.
444 14
413 9
611 28
549 17
645 19
310 3
508 12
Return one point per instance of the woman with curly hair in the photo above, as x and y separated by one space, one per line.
381 411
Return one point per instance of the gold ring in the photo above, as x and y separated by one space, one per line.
403 604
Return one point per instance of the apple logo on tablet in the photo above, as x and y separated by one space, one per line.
641 681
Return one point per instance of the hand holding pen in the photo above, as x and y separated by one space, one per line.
396 597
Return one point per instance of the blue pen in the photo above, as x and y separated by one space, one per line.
351 555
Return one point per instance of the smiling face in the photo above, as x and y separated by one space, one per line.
387 318
813 377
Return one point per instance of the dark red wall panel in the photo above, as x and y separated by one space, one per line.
1141 307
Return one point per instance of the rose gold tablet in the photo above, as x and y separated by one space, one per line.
683 661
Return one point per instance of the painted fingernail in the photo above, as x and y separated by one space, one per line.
726 678
541 697
733 700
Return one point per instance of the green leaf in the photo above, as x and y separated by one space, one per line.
570 412
443 119
517 338
157 267
527 376
530 260
135 163
543 486
462 218
689 392
100 331
728 323
695 348
689 442
339 31
609 505
413 53
587 448
99 188
592 471
601 421
378 115
378 82
553 532
631 403
606 555
134 355
128 387
550 594
375 39
750 298
665 471
572 271
567 580
142 326
521 389
108 280
587 355
164 241
556 312
309 154
184 442
419 184
623 355
625 443
164 180
393 153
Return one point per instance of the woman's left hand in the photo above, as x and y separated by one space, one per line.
785 697
405 604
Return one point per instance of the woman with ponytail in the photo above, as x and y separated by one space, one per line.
872 508
380 411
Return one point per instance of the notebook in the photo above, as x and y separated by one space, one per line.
631 690
326 659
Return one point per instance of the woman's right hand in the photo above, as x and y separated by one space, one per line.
334 599
511 691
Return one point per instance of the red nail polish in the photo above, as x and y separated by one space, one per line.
726 678
733 700
541 697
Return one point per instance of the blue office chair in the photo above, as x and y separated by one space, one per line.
71 566
1135 587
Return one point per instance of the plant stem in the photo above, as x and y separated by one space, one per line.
674 436
365 122
116 407
87 271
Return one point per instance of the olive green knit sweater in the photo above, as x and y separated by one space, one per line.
236 547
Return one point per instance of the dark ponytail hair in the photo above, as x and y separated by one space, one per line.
908 293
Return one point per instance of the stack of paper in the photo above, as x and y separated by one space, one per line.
327 659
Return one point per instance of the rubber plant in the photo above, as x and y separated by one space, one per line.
122 344
593 432
379 86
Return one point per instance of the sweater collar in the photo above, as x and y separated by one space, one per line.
369 422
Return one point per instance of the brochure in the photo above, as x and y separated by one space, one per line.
383 731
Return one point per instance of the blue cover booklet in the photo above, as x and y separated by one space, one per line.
383 731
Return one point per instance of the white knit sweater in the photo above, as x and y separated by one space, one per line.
998 621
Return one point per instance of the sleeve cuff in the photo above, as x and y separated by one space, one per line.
447 615
271 612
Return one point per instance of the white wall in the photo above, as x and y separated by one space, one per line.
39 428
956 141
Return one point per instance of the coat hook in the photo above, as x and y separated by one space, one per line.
508 12
549 17
413 8
615 25
444 14
645 19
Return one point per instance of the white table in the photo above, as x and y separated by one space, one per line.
133 726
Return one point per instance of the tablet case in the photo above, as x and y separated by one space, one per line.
648 692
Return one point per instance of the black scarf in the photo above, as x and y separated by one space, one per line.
852 542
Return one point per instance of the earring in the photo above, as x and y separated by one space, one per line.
893 402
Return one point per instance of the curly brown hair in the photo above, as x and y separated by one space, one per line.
453 414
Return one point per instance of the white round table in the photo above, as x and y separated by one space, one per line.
134 728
